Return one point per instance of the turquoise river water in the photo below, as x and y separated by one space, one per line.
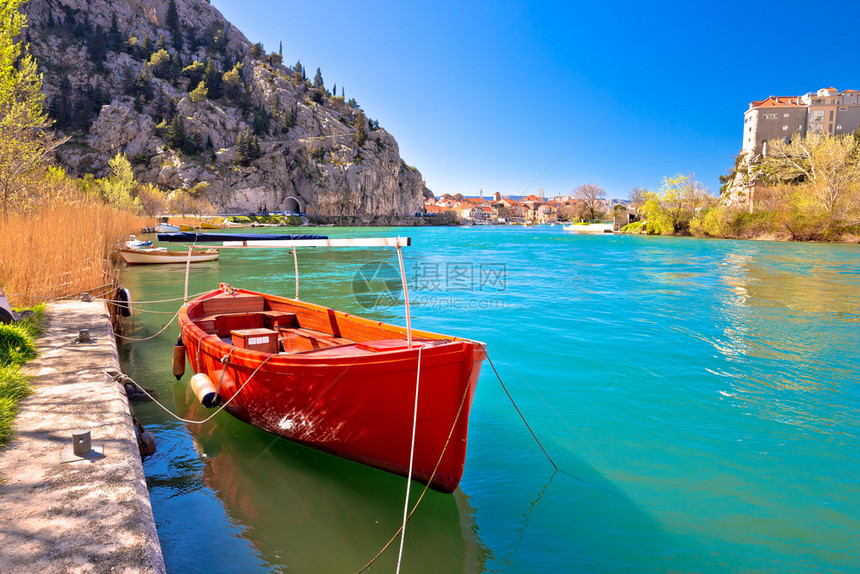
700 398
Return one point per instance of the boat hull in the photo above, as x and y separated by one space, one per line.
145 257
592 228
351 403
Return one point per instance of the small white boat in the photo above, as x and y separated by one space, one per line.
162 255
135 243
234 224
166 228
590 228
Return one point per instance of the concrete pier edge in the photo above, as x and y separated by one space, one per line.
83 516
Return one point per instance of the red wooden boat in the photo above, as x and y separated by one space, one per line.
336 382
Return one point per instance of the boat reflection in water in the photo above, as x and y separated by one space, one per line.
313 512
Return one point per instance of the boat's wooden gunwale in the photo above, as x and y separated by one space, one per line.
432 354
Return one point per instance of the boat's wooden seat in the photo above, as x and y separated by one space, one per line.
223 323
297 339
275 319
233 304
228 322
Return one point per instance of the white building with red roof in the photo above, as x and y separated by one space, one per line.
783 117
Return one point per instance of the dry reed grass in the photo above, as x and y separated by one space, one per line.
61 249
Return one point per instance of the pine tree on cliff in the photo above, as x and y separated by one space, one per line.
213 79
290 117
360 125
172 22
318 79
98 48
176 133
241 148
247 148
114 37
61 105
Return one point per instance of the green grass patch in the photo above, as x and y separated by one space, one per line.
17 346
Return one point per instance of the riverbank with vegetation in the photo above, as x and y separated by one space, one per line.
804 190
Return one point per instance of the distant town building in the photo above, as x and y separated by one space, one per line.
779 117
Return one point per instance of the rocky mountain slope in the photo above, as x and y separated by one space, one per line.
189 99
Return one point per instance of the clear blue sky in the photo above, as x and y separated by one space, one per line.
489 94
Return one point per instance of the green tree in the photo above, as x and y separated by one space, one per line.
360 125
199 93
119 187
159 63
176 65
98 48
219 41
145 48
114 36
60 108
247 147
175 135
143 87
262 121
671 209
162 107
318 95
173 24
318 79
233 83
24 143
289 119
212 77
194 72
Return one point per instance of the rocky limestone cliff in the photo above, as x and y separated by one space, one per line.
117 74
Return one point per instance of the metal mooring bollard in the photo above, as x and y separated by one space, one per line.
82 448
82 442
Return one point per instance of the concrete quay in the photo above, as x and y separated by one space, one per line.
89 515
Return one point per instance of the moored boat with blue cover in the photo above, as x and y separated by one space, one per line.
185 237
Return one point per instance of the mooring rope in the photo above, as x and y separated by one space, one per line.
534 436
519 412
153 301
141 310
435 469
125 378
153 336
411 459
